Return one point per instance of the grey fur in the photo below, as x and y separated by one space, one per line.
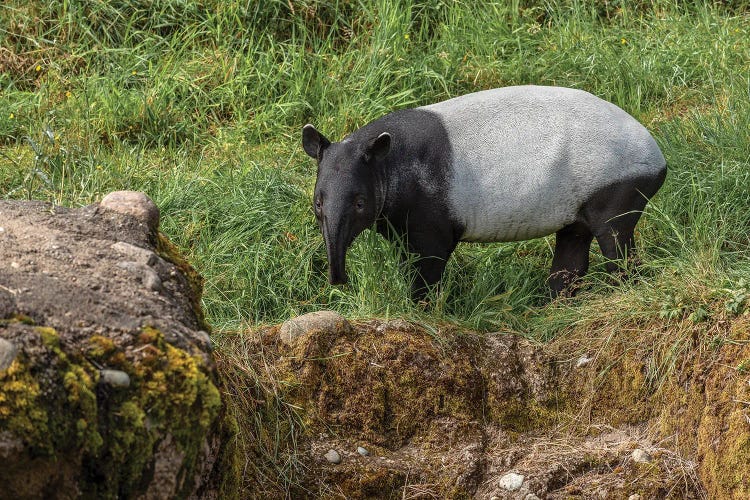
526 158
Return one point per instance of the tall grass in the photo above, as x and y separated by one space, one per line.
200 104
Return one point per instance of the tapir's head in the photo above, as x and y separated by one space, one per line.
349 191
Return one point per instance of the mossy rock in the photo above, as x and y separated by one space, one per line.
74 310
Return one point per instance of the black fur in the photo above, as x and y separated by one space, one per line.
413 210
610 216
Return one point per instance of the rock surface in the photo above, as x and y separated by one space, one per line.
135 204
107 388
8 351
640 456
114 378
333 456
511 481
325 322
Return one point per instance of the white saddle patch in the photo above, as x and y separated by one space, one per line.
526 158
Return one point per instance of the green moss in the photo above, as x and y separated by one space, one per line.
150 335
105 352
17 318
232 459
724 434
522 414
169 251
361 481
100 347
21 411
53 407
82 401
384 387
43 421
172 394
49 336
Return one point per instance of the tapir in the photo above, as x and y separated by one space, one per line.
507 164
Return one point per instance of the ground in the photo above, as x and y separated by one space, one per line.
451 420
112 386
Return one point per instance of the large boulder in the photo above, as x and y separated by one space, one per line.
107 384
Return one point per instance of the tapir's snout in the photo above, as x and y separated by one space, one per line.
337 243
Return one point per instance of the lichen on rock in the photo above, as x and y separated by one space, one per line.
72 313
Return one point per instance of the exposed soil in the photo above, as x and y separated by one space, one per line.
451 421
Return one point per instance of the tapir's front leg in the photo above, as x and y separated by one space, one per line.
429 270
432 251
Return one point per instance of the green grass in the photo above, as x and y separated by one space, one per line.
200 105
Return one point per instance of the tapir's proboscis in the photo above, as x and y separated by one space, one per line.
507 164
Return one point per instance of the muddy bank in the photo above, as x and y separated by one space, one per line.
495 416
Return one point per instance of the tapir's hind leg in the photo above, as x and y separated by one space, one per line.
571 259
613 213
616 240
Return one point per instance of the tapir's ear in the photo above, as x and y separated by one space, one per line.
313 141
379 147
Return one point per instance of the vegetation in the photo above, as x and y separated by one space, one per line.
200 104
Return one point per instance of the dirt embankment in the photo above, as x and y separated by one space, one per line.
107 383
382 410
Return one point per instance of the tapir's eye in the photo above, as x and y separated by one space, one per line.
360 204
318 205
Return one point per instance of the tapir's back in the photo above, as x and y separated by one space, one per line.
524 159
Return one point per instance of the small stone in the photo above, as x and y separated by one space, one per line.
333 457
152 281
8 352
395 324
494 498
136 254
583 361
115 378
148 276
531 496
634 496
640 456
205 338
11 447
362 451
15 265
321 320
133 203
511 481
